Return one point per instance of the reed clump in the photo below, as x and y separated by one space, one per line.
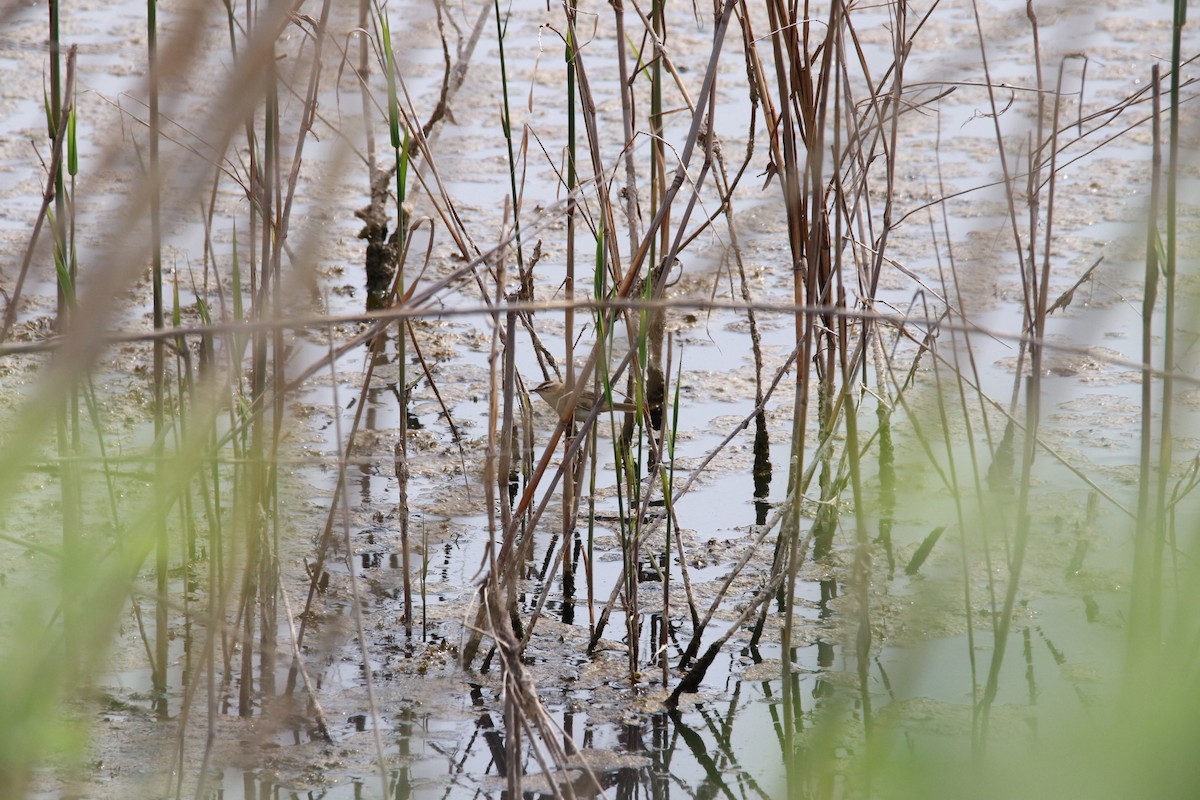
777 452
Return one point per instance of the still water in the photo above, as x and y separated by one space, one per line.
439 728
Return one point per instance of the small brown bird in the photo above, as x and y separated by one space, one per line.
555 395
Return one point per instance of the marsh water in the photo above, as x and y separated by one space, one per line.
439 727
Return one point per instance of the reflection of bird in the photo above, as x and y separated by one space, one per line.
556 396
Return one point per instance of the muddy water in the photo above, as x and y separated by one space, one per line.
441 727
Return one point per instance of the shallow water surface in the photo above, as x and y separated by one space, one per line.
439 728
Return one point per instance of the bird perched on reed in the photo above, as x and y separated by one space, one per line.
556 396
